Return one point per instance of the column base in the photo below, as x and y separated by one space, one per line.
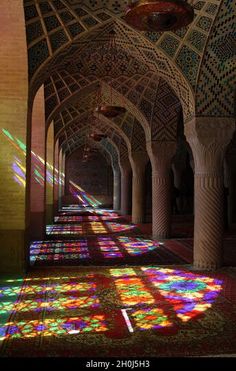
209 266
12 252
137 220
161 236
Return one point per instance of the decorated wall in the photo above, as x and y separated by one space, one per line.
94 176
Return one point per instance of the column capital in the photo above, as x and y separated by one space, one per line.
161 148
138 160
125 166
208 138
210 131
161 154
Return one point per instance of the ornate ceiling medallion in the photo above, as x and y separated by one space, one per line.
159 16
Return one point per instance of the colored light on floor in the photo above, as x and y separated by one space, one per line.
68 219
53 288
137 246
54 327
109 248
58 251
182 286
72 207
154 298
59 257
63 229
189 294
65 279
119 227
59 244
96 227
9 291
52 304
71 229
122 272
150 318
132 291
112 254
77 218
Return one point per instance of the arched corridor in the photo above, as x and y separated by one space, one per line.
117 182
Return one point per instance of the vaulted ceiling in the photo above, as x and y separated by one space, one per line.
153 75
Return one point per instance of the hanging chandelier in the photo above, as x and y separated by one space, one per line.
92 133
110 111
97 137
159 16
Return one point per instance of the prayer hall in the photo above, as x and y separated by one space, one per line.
117 181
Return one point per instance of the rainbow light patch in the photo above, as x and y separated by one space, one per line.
190 294
150 318
54 327
137 246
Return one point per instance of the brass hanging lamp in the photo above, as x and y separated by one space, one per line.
110 110
97 137
159 16
92 133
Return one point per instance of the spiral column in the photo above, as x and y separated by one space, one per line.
161 154
208 138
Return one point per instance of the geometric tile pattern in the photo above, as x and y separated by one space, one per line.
164 121
70 121
142 94
72 134
204 23
152 106
189 61
216 85
169 44
61 22
197 39
78 32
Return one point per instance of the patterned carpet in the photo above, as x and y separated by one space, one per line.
99 288
149 311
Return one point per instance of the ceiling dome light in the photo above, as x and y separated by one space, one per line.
159 16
